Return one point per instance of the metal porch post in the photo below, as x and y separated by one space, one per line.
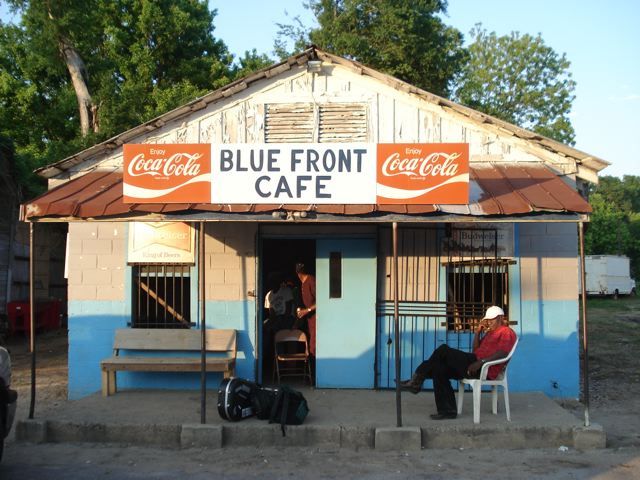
396 323
32 316
203 326
585 344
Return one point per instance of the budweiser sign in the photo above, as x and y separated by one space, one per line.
423 173
161 242
167 173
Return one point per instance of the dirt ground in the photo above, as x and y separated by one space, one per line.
614 368
614 353
51 373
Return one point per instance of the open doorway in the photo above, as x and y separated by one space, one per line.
280 256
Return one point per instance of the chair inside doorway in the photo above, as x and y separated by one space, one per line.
291 355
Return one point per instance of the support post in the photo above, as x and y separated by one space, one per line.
203 326
32 317
585 344
396 323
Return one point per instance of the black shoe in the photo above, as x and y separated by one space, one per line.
444 416
410 386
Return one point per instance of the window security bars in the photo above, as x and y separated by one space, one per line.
448 277
161 296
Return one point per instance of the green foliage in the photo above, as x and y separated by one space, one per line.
251 62
615 221
521 80
296 32
404 38
142 58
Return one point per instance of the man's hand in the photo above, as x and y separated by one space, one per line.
482 326
474 367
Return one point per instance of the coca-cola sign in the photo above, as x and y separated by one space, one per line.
425 173
167 173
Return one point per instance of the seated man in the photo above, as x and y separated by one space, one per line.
492 341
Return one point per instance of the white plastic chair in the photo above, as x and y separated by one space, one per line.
477 384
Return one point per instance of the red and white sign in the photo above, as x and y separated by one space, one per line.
167 173
423 173
297 173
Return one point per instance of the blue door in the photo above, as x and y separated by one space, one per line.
346 318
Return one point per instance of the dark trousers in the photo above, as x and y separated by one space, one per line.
445 363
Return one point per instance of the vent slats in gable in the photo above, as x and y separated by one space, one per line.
289 123
295 122
345 122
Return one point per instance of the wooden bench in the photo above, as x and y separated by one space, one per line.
168 340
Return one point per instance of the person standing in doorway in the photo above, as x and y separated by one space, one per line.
308 311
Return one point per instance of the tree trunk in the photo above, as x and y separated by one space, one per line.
77 70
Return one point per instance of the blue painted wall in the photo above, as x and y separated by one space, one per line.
92 327
91 331
547 356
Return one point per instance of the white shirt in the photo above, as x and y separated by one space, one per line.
278 300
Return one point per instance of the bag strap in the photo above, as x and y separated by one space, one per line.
285 409
274 407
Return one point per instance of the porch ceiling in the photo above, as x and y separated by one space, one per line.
495 189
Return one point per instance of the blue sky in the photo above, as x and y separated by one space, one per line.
601 39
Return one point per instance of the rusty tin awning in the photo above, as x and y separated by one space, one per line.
496 190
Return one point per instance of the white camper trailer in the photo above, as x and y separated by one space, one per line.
608 275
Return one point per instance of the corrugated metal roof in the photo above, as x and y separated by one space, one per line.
314 53
496 189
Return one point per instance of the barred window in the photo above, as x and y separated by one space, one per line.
161 296
472 287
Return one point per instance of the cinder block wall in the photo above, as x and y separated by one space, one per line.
230 283
97 299
97 261
230 261
100 301
547 357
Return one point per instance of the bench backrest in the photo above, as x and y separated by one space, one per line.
177 339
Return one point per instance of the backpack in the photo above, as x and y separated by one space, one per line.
289 408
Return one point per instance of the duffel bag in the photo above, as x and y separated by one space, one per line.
262 400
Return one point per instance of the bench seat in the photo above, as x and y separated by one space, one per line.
176 341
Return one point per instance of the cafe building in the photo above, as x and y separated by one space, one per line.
390 195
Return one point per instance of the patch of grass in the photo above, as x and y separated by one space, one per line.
614 338
629 303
